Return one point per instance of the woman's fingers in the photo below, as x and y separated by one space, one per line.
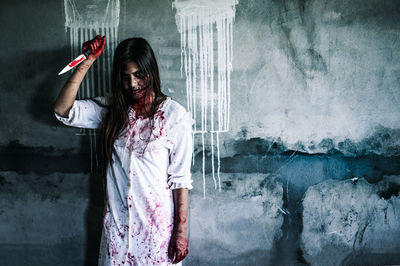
171 252
100 44
177 257
85 46
178 247
180 255
96 46
176 254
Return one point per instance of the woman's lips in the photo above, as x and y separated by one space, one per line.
138 90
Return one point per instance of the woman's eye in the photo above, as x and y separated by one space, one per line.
139 75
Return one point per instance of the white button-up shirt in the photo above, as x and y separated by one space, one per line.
152 157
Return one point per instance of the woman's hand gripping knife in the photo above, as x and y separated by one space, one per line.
96 47
67 95
179 244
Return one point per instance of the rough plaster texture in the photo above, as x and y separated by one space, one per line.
307 65
315 96
50 208
245 218
297 66
47 219
52 214
353 217
43 218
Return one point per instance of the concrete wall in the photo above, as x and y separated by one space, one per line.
314 103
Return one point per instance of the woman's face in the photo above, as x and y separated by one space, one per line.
134 81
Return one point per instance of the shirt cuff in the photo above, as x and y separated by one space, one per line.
71 114
180 182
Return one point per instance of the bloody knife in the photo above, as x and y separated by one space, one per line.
76 61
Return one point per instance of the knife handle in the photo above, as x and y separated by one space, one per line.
87 53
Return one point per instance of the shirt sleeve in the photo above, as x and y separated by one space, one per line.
84 114
180 159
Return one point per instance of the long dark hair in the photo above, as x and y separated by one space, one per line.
116 119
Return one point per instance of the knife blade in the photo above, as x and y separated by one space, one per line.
76 61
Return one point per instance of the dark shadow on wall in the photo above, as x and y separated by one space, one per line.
40 69
287 249
369 258
47 64
47 160
94 213
308 61
94 220
44 67
43 160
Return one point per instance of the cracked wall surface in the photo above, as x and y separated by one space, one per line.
352 216
244 220
314 104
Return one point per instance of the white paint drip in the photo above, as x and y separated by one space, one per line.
83 21
196 20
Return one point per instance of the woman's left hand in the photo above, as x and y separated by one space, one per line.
178 246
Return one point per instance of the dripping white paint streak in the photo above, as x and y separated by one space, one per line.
197 22
83 21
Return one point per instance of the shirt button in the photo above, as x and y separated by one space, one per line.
129 184
127 246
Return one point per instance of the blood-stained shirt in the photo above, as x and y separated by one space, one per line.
152 157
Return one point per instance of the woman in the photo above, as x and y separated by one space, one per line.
145 149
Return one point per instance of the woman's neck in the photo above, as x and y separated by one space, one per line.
143 105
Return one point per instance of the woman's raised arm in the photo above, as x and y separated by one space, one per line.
67 95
